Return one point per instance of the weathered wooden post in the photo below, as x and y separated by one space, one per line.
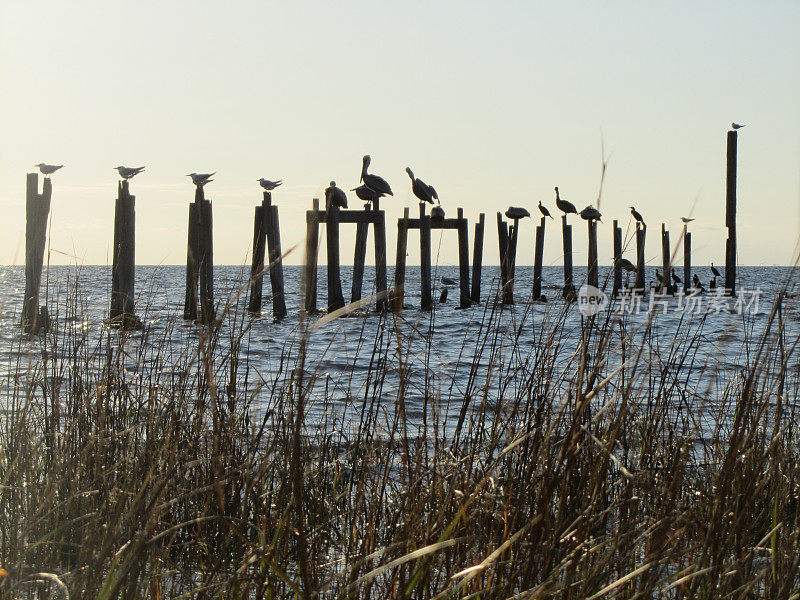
617 258
641 233
463 259
592 269
537 260
400 262
477 259
206 265
335 297
273 229
687 259
730 214
380 258
121 313
666 286
192 261
37 208
502 239
257 267
569 286
426 302
513 236
310 269
359 257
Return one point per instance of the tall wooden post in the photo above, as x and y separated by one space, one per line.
477 259
592 277
192 261
426 302
730 214
257 267
123 267
463 259
380 260
617 258
273 229
569 285
502 240
206 264
537 260
641 233
687 260
513 236
400 263
359 257
310 270
37 209
335 297
665 260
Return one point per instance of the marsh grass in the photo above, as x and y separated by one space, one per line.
162 464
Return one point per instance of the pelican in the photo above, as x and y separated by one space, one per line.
544 211
336 196
200 179
269 185
686 219
736 126
374 182
366 193
437 213
627 265
46 169
589 213
714 271
516 213
128 172
637 215
563 205
422 190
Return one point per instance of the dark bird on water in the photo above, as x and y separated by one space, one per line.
422 190
544 211
697 284
443 296
736 126
627 265
128 172
336 196
269 185
367 194
517 212
675 278
449 281
563 205
714 271
637 215
591 213
374 182
200 179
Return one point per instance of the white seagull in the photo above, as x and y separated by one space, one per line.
269 185
736 125
200 179
46 169
128 172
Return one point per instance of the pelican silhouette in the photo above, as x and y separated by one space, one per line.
516 213
589 213
544 211
374 182
564 205
336 196
422 190
366 193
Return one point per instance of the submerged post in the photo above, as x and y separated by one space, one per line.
426 300
537 260
273 229
463 259
400 263
310 266
37 209
359 257
123 267
477 259
335 298
257 267
730 214
592 277
641 232
687 259
569 287
617 258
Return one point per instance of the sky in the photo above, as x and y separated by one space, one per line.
493 103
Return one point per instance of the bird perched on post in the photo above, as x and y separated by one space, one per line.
659 277
269 185
374 182
128 172
563 205
686 219
627 265
697 284
544 211
422 190
736 126
714 271
366 193
675 278
200 179
591 213
516 213
335 196
46 169
637 215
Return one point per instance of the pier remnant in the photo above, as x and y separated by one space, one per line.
617 258
477 259
592 275
37 208
687 259
122 310
569 285
537 260
641 233
730 214
200 261
666 260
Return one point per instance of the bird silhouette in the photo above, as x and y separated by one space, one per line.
736 126
422 190
675 278
443 296
544 211
374 182
335 196
659 276
366 193
128 172
449 281
517 212
589 213
697 283
200 179
637 215
714 271
564 205
269 185
686 219
627 265
46 169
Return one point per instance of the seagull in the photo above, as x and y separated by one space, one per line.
366 193
736 126
46 169
714 271
627 265
544 211
128 172
516 213
422 190
686 219
589 213
374 182
269 185
200 179
336 196
637 215
563 205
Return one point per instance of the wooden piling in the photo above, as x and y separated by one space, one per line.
192 261
537 260
666 262
477 259
400 263
641 234
502 240
463 259
687 260
592 275
206 265
617 258
257 266
335 298
273 230
380 259
426 301
359 257
569 285
121 313
730 214
37 208
310 270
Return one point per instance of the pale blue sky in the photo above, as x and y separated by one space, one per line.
492 103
